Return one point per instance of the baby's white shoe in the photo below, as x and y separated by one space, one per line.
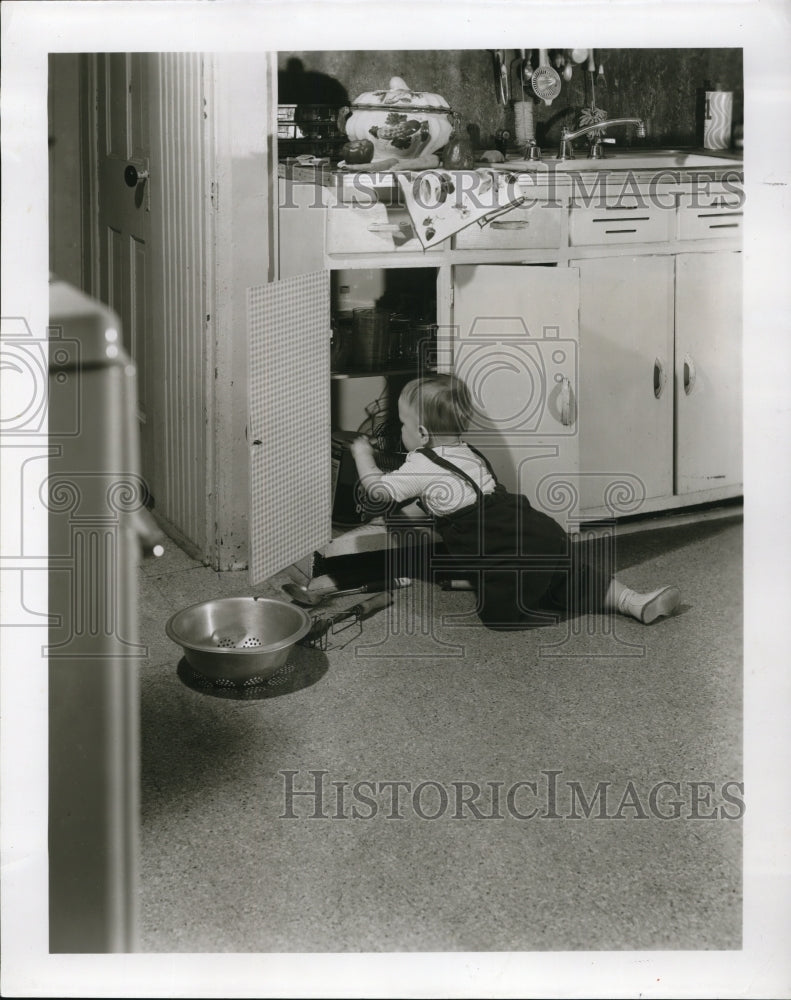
646 608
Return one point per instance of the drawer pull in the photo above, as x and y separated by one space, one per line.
719 215
660 378
620 208
388 227
724 225
608 231
511 224
689 374
639 218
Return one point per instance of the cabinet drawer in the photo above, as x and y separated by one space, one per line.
625 222
519 229
370 229
716 214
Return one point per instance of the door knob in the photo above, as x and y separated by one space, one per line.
135 173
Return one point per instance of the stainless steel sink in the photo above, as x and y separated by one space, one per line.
644 159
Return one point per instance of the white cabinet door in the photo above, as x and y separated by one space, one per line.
289 428
516 337
708 371
626 379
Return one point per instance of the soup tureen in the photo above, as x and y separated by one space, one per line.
401 123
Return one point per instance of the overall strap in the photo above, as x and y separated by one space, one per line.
430 454
484 459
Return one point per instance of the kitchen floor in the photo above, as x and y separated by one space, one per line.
501 743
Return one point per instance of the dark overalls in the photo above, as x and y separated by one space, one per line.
524 568
522 564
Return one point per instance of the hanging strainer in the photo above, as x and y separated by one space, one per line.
238 639
545 80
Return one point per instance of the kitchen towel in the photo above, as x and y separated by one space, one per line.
717 119
441 202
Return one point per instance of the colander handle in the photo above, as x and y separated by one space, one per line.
364 609
372 604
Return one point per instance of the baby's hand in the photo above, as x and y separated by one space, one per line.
361 449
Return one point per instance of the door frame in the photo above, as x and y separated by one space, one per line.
236 241
89 171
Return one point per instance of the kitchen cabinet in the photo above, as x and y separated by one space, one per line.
660 396
708 320
516 348
601 339
626 376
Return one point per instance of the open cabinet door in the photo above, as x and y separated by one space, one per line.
289 431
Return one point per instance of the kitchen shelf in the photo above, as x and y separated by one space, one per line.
369 372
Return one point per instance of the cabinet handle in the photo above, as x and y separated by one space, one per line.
660 378
388 227
566 416
511 224
689 374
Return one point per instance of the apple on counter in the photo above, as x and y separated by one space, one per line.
357 151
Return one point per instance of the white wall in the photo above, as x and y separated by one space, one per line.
243 99
65 212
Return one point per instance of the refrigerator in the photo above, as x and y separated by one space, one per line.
98 527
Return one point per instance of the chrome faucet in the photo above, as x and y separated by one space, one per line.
566 151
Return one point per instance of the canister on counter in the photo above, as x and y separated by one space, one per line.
717 120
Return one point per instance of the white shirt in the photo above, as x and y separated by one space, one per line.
441 492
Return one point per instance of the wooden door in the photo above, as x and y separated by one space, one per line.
708 371
124 207
626 377
516 348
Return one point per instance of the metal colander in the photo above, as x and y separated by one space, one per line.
238 640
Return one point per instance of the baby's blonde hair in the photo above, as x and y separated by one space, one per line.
442 402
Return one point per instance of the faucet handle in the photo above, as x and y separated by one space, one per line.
596 151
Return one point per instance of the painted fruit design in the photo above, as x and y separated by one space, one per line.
401 131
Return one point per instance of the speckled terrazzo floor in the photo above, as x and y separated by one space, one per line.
223 871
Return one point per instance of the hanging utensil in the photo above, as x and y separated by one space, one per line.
546 82
527 69
515 77
579 55
501 76
591 67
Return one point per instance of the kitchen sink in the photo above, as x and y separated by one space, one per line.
644 159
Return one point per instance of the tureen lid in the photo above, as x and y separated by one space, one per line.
400 96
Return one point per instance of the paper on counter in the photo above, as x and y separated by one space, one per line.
442 202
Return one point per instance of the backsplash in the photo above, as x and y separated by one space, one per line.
660 85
